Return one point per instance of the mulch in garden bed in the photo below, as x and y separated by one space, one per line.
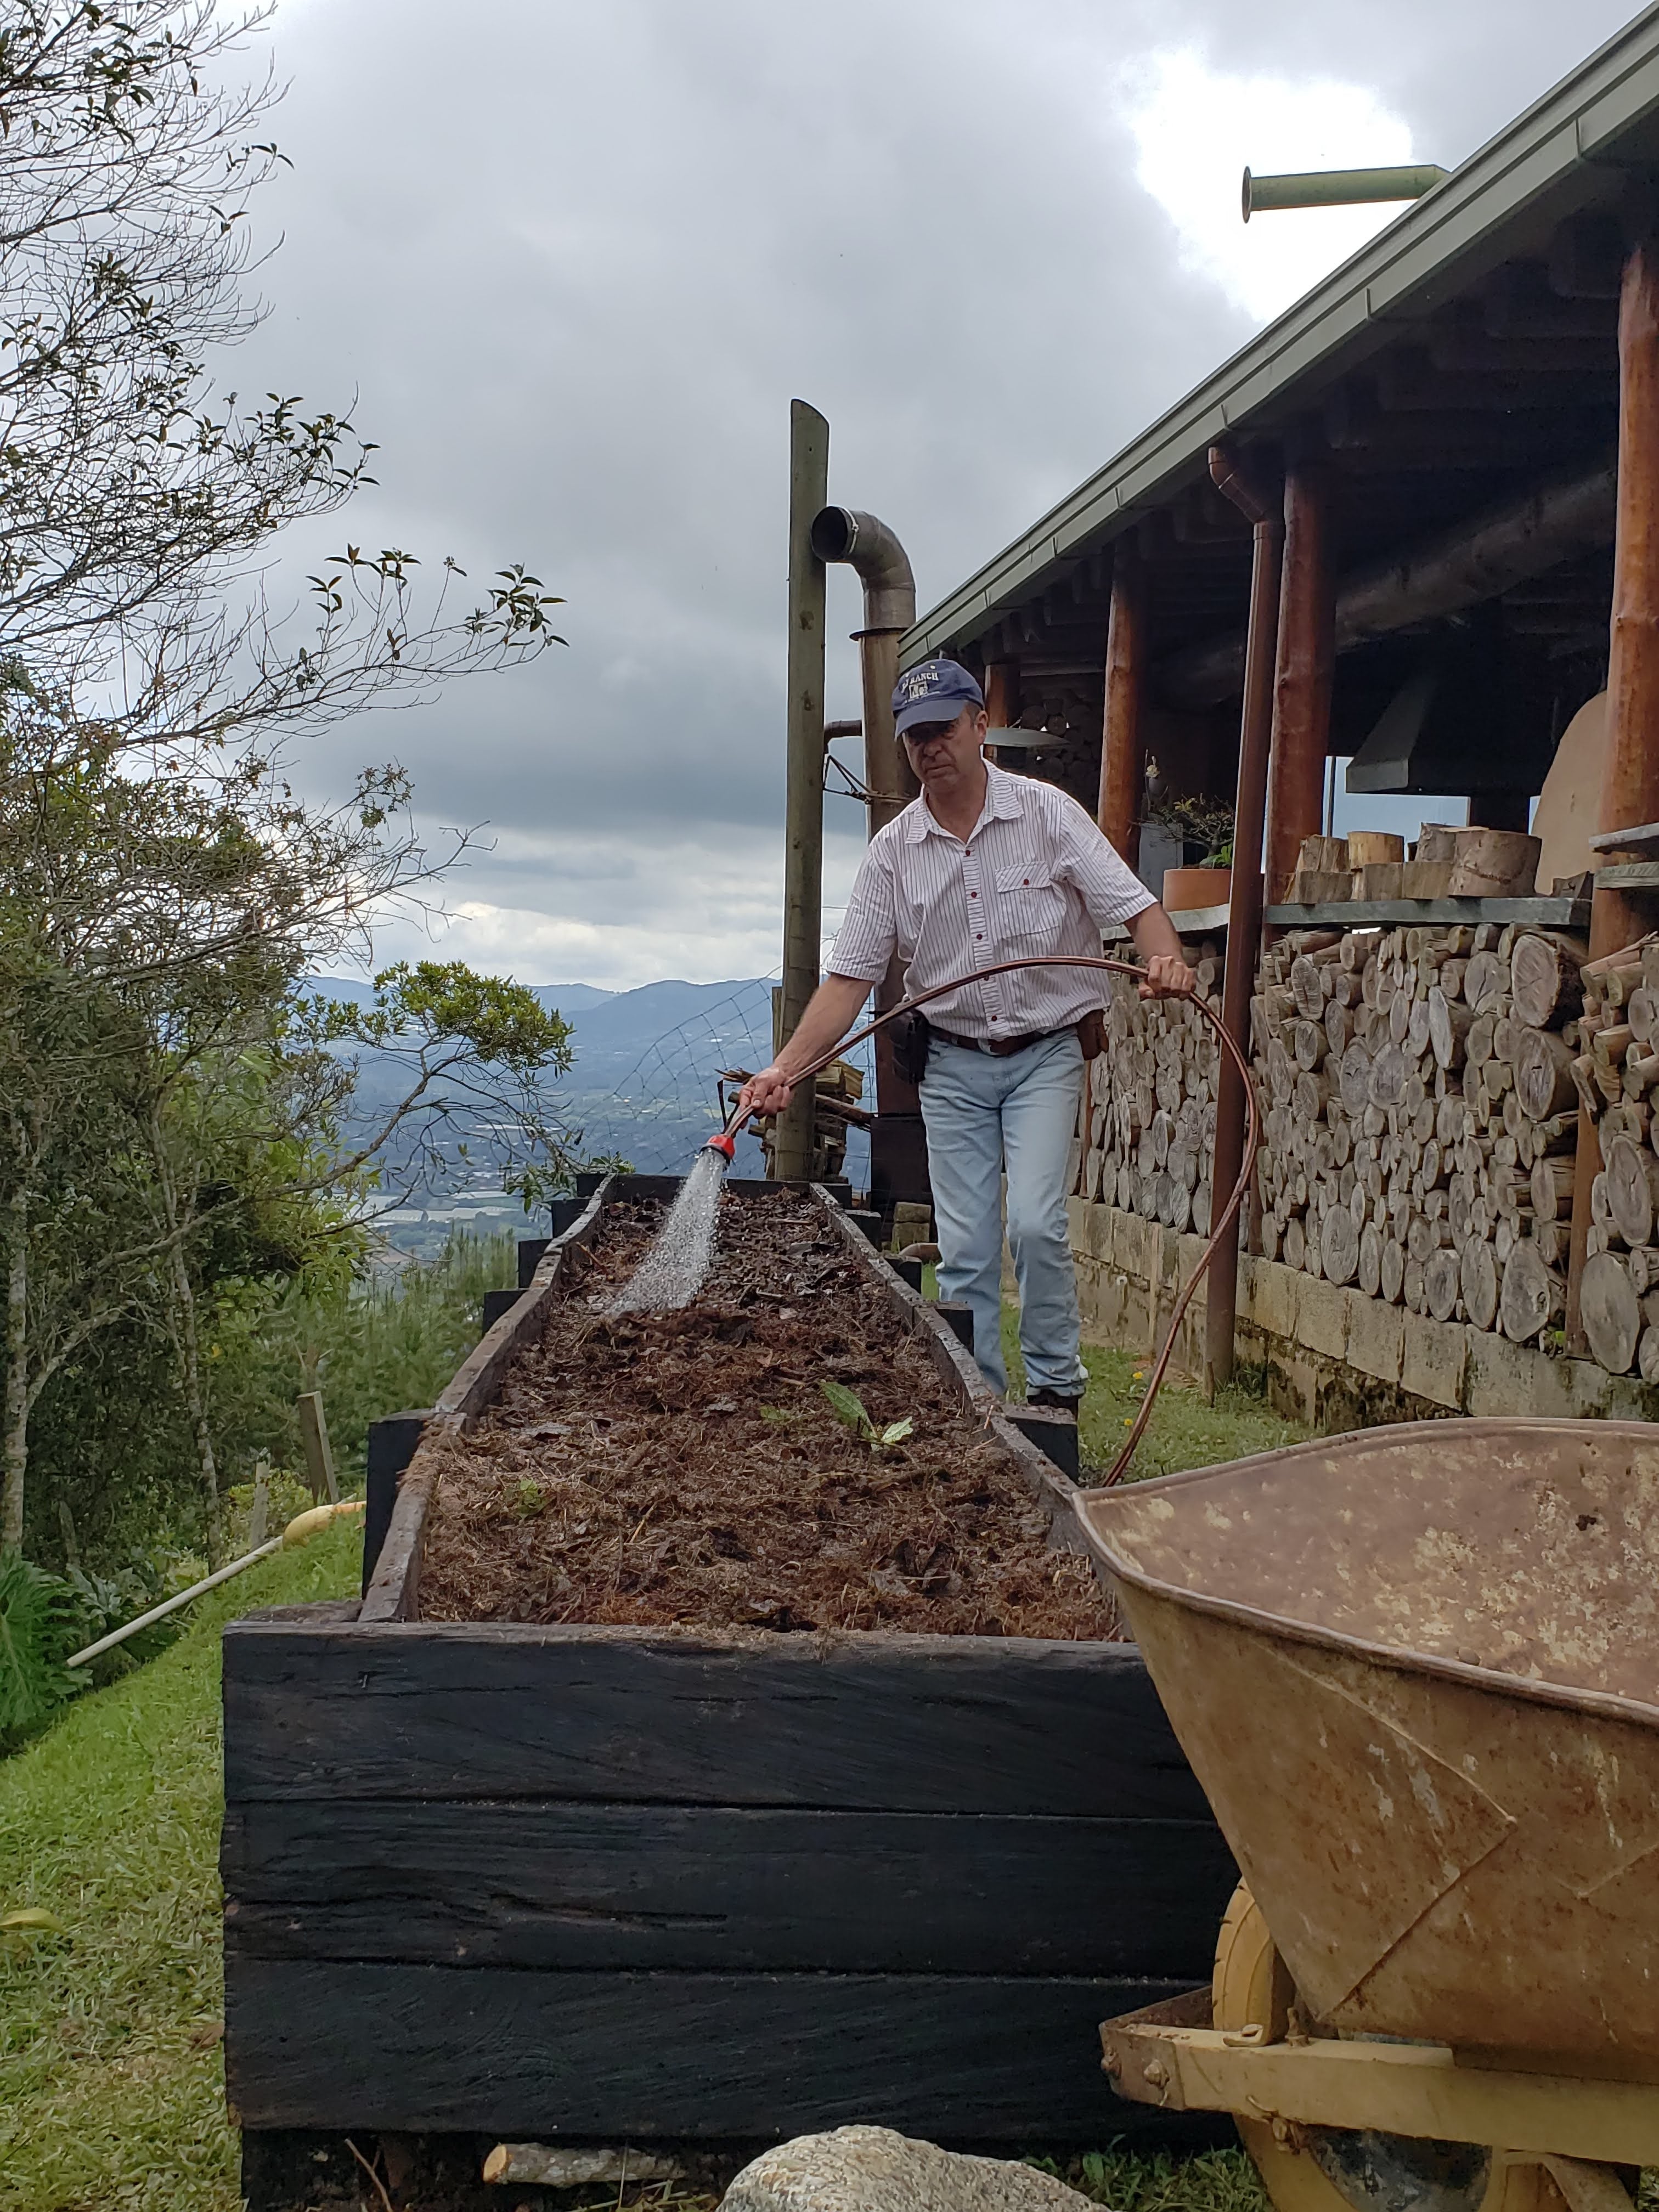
686 1470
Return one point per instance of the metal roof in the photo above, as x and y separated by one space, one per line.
1564 153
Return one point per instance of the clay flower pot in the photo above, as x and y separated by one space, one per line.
1187 888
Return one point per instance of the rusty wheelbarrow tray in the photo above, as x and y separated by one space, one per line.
1416 1670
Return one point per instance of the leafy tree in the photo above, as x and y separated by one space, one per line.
133 494
170 1105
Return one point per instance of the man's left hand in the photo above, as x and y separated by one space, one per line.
1167 975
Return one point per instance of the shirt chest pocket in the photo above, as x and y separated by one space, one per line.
1031 905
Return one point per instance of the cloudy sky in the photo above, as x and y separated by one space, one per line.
574 261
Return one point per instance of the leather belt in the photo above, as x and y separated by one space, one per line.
1001 1048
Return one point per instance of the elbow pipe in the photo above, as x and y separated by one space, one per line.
842 533
1228 474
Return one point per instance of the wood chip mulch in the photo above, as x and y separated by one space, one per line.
686 1470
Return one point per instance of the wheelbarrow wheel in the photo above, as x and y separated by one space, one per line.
1252 1988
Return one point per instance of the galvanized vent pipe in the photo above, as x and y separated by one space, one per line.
1307 188
898 1146
871 549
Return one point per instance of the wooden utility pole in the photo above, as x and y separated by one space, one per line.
1244 905
1123 742
1302 683
802 860
1630 776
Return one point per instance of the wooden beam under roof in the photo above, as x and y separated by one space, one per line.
1406 380
1461 345
1556 520
1517 302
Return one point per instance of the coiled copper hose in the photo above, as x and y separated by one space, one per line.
1220 1225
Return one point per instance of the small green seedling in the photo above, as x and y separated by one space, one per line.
848 1408
531 1500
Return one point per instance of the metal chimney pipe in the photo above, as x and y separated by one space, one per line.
871 549
1306 188
898 1144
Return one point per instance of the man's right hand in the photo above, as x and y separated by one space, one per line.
768 1092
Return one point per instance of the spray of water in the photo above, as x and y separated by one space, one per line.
675 1268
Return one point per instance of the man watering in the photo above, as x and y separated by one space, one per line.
984 867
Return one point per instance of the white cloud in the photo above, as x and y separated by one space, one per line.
1197 128
576 260
617 910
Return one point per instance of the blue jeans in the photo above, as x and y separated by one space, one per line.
984 1115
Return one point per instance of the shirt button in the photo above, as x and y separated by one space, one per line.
979 937
973 894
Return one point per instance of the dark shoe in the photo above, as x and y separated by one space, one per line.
1058 1401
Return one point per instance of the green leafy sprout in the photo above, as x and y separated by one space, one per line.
848 1409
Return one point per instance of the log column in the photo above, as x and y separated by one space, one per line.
1244 905
1123 746
1002 694
1302 682
1630 780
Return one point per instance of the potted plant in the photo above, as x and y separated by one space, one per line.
1205 827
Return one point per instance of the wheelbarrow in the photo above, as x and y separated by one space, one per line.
1416 1671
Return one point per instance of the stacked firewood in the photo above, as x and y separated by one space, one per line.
1146 1126
1420 1116
1444 863
1616 1074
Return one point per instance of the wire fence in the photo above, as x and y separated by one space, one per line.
669 1101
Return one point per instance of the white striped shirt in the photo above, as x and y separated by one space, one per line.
1035 876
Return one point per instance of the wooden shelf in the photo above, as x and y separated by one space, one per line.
1189 922
1372 914
1626 841
1631 876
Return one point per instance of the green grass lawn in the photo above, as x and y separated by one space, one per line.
111 2083
1185 1431
111 2080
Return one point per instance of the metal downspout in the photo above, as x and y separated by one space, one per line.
1244 904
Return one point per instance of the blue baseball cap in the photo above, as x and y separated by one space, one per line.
933 691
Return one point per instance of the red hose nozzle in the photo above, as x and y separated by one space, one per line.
725 1144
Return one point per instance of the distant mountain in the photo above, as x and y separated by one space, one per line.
566 998
644 1084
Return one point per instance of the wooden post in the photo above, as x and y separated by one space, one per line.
314 1434
802 860
1244 906
1630 776
1123 742
1302 685
1002 694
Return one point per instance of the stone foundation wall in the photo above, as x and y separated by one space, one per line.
1334 1356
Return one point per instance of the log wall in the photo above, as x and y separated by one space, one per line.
1419 1088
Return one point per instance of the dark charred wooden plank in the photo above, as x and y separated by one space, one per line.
618 2057
887 1722
593 1887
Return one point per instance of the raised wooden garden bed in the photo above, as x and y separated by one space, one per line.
540 1878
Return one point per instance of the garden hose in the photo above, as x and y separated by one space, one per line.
727 1141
